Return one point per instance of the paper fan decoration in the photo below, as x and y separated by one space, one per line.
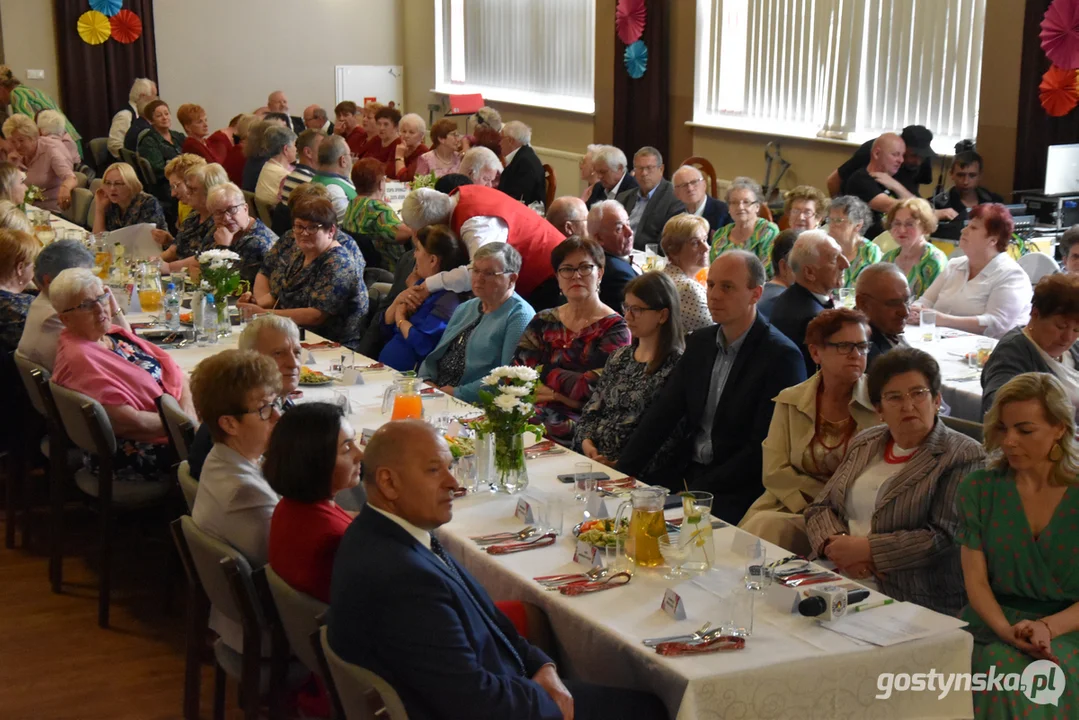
1060 33
94 27
636 59
629 20
1058 92
126 26
106 7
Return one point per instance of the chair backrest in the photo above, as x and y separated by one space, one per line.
84 421
550 182
265 213
968 427
250 197
358 687
147 170
80 179
1037 265
36 379
299 614
178 426
189 486
207 554
95 184
708 170
79 209
765 212
99 153
131 159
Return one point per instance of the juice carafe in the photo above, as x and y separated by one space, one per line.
646 524
150 292
403 398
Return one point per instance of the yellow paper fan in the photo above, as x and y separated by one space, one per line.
94 27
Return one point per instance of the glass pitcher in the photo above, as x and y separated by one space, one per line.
646 525
403 398
150 292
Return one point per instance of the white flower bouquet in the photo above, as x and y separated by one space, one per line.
508 398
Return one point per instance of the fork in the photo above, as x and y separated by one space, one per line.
699 634
553 582
504 536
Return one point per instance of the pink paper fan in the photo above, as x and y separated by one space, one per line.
1060 33
629 20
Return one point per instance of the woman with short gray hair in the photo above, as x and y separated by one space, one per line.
43 326
411 130
482 333
47 163
237 231
279 145
52 123
848 216
481 166
749 231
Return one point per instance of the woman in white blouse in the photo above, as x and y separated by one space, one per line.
985 292
685 243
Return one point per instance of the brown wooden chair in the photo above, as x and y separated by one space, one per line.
707 170
765 212
551 183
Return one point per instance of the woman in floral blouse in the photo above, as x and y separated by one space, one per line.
848 216
372 220
685 242
120 202
571 342
749 231
911 222
196 231
18 250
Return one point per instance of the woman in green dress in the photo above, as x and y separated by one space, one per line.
749 231
370 218
1019 533
911 222
848 216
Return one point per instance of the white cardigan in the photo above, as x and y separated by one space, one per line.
999 297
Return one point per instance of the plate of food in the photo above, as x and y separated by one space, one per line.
313 378
599 533
461 447
186 318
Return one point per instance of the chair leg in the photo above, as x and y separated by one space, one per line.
11 500
57 473
105 580
196 632
219 692
250 698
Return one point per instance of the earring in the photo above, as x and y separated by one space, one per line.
1056 453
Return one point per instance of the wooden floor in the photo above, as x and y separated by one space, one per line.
56 663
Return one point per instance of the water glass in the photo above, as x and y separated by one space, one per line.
674 553
757 574
553 512
342 400
617 560
583 481
928 325
846 297
464 470
737 610
985 349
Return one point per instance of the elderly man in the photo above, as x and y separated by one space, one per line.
883 294
652 203
523 178
304 169
334 169
691 190
569 215
916 170
609 166
349 126
276 337
42 329
481 166
723 388
608 224
278 103
403 608
315 118
143 90
818 264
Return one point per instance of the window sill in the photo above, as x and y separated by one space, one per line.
562 103
785 132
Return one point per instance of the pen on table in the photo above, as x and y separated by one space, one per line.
862 608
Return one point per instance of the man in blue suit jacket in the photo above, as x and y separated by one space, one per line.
401 607
609 164
608 224
691 189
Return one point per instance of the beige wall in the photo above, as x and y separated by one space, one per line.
998 116
30 42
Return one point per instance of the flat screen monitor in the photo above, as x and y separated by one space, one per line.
1062 170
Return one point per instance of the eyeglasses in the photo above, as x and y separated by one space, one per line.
299 229
846 348
231 211
634 310
568 272
645 168
688 184
743 203
486 274
908 225
266 410
803 212
90 305
917 396
892 304
838 221
114 184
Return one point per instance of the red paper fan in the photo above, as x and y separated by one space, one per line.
629 20
1060 33
1058 92
126 26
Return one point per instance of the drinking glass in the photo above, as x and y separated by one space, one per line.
985 349
846 297
583 481
757 574
697 527
928 325
553 515
674 553
617 560
342 400
737 610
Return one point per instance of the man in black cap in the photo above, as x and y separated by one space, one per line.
916 170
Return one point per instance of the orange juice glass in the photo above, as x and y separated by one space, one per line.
407 406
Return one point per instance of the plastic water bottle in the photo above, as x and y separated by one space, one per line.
172 307
207 331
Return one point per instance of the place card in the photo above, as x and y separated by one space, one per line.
587 554
454 430
783 599
672 605
744 544
524 512
351 376
595 507
365 436
310 358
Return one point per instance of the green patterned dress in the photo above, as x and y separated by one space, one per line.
760 242
924 272
30 101
377 220
1030 578
867 254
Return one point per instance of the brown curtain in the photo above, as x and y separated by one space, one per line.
641 107
95 79
1036 130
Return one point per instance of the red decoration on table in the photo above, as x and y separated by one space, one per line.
1058 92
629 20
721 643
126 26
1060 34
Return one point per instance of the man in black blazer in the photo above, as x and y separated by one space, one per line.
278 103
609 164
883 295
691 189
403 608
723 386
652 203
608 224
818 264
523 178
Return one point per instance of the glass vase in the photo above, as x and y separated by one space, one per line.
485 461
224 324
510 473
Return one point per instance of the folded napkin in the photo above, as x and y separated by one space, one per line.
325 344
581 588
718 644
513 547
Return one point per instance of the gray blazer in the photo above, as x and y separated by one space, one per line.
661 207
1014 355
913 537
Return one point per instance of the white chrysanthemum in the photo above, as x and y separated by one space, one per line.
219 256
506 402
526 374
515 390
491 379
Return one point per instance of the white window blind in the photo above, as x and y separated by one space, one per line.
530 52
845 69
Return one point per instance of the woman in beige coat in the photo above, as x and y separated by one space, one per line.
812 424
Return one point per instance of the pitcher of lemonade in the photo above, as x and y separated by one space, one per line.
646 525
149 284
403 397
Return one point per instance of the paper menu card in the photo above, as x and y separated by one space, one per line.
893 624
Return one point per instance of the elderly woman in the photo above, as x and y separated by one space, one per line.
1046 344
175 172
120 202
407 154
984 292
371 218
588 172
307 191
805 207
911 222
12 183
848 216
812 425
280 147
572 342
212 148
235 229
889 511
161 143
29 101
43 325
1018 537
482 333
444 157
634 373
256 150
123 372
482 166
52 123
18 250
382 145
685 243
196 231
44 161
749 231
411 335
313 280
12 218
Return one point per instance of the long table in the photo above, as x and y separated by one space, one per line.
961 386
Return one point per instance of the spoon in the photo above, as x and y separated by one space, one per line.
505 537
592 575
698 635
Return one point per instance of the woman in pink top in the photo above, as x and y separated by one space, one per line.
444 157
107 362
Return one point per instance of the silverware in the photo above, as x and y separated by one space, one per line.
697 635
592 575
504 536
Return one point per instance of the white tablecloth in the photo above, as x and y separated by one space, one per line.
961 384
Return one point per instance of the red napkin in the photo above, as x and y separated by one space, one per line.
583 588
325 344
507 548
719 644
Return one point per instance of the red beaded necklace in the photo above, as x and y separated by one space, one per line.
891 458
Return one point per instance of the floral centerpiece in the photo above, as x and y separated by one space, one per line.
423 181
33 195
508 398
221 276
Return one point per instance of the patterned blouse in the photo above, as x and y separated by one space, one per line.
376 219
692 298
868 253
13 310
343 239
572 363
252 246
451 368
133 456
760 242
925 271
158 151
144 208
332 283
429 163
623 395
194 236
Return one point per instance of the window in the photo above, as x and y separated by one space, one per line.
842 69
530 52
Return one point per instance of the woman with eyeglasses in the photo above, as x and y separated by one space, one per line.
370 218
911 222
18 250
99 356
804 207
196 231
685 243
887 517
313 280
120 202
483 332
848 216
236 230
749 231
572 342
812 425
444 157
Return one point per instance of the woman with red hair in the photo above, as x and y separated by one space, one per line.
985 292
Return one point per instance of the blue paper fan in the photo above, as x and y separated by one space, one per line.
636 59
108 8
